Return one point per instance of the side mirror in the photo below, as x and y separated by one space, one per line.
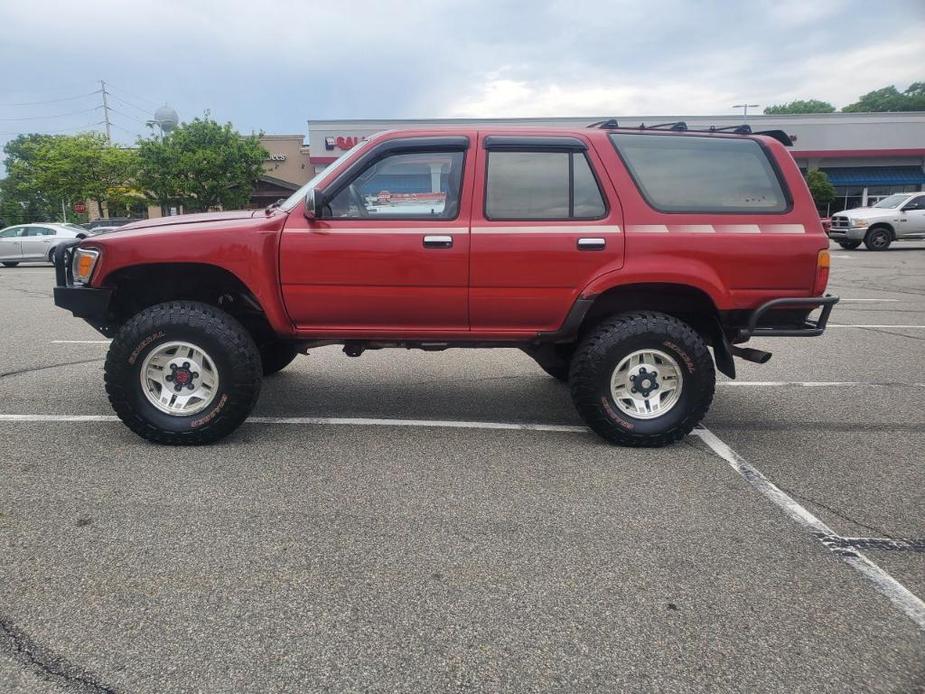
314 204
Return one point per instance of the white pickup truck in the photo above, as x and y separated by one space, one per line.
900 216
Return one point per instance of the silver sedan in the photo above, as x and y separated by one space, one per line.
35 242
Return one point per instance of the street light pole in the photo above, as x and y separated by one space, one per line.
745 108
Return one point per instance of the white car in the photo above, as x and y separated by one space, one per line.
900 216
35 242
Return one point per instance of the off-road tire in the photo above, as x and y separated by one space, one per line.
5 264
229 345
276 356
600 352
849 245
878 239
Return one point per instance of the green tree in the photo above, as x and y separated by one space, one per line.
45 171
820 187
800 106
199 165
22 200
890 99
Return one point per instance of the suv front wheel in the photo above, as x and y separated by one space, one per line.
183 372
642 379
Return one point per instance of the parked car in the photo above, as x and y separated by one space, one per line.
898 217
96 231
109 222
613 257
35 242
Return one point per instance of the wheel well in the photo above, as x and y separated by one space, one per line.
687 303
138 287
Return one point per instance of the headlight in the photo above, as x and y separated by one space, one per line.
83 264
860 223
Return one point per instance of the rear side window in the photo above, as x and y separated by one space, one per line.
541 185
702 174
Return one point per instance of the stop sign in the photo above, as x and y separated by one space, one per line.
80 207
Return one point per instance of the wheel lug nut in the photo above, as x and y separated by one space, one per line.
186 365
178 387
632 390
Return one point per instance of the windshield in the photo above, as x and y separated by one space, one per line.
294 199
892 202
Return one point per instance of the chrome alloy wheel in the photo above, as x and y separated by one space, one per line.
179 378
646 384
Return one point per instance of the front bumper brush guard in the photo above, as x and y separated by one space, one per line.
64 256
809 328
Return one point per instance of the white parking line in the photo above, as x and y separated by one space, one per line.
80 342
874 325
899 595
350 421
803 384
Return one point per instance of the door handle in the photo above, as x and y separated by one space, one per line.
438 242
592 244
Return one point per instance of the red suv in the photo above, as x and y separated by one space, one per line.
614 257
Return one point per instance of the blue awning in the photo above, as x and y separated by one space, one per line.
876 175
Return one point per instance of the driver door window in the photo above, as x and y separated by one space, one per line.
418 185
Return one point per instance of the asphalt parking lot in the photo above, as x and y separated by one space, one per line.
320 548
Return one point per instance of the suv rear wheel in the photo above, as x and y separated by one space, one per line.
182 372
642 379
878 239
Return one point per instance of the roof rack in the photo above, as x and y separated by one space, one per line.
681 126
678 126
608 124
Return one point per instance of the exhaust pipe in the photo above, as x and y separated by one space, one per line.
748 354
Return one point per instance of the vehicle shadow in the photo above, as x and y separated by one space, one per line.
502 398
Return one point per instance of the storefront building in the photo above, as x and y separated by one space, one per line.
867 156
287 169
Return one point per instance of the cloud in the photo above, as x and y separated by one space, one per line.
276 64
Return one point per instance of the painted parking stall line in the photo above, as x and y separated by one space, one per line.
330 421
901 597
876 325
80 342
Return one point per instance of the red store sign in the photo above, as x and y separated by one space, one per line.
342 142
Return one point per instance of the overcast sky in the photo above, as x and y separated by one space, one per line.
273 65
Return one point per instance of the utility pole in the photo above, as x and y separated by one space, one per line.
106 120
745 108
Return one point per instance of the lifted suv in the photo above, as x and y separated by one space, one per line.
613 257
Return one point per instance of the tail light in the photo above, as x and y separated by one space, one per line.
823 262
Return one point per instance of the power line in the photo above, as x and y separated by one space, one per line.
51 101
129 103
135 96
134 119
57 115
